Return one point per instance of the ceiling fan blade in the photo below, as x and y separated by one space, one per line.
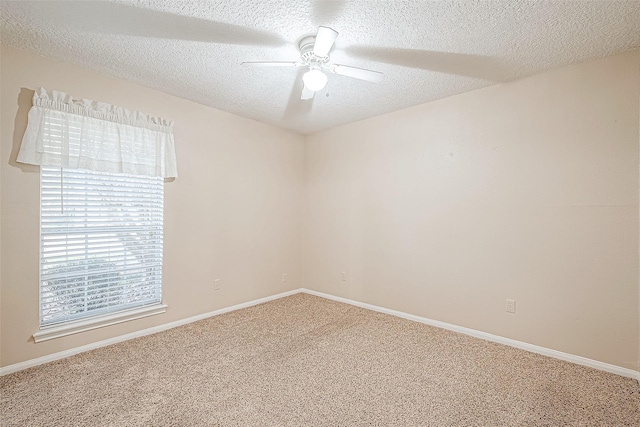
358 73
324 41
272 64
307 93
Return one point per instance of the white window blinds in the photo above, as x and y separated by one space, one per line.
101 243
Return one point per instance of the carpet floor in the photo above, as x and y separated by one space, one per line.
308 361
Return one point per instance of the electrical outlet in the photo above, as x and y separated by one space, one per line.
511 306
343 276
284 277
216 285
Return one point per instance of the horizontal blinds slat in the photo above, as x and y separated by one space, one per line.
98 230
60 269
51 290
70 192
101 243
99 207
90 222
73 301
97 176
95 293
51 253
91 182
99 312
118 217
89 179
81 182
71 274
101 238
119 266
89 288
62 315
55 248
52 192
101 256
62 196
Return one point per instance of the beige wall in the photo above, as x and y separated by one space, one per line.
233 213
526 190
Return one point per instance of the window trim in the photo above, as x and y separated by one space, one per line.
95 321
56 331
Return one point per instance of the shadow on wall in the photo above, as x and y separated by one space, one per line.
25 101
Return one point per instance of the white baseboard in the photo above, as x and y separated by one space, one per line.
625 372
62 354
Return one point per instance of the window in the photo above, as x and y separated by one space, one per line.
102 170
100 245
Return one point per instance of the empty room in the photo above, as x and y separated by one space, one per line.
319 213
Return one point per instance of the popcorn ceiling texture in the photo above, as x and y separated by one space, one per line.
308 361
426 50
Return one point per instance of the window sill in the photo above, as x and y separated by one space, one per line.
50 332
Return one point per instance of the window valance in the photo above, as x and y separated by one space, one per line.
84 134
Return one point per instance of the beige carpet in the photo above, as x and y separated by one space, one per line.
307 361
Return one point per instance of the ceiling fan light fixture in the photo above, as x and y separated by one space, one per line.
314 80
314 56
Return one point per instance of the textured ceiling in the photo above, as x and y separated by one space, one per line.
426 50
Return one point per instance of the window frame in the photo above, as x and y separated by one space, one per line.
90 321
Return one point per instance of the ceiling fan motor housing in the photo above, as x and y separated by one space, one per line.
306 52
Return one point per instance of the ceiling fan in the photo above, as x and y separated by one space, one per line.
314 54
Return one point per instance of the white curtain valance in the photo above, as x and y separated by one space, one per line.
85 134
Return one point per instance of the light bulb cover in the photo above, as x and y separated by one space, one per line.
314 80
